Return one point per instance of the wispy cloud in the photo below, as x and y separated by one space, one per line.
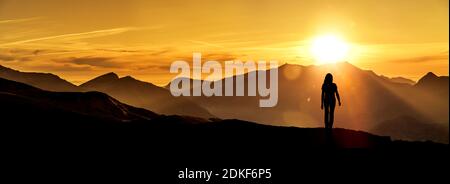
147 52
74 36
206 43
425 58
10 21
65 67
104 62
4 57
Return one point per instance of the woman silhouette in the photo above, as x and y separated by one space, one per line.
329 89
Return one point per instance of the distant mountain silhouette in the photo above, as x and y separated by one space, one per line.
38 117
403 80
415 129
144 95
431 83
83 103
368 100
126 89
41 80
400 80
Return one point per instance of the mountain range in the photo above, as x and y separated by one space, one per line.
126 89
393 107
370 102
39 118
144 95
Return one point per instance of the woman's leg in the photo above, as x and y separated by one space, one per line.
331 121
326 112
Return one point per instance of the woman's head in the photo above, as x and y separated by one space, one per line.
328 79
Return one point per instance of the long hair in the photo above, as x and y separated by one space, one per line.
328 79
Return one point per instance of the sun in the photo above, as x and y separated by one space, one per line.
329 49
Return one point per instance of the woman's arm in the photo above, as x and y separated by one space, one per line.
337 95
321 100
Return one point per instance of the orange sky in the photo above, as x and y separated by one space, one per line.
80 39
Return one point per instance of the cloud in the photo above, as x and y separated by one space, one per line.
60 68
160 52
104 62
206 43
146 52
220 57
119 50
15 55
160 68
24 54
74 36
422 59
12 21
4 57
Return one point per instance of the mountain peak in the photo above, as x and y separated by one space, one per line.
432 81
110 75
128 78
105 78
133 81
4 68
430 75
286 66
346 64
46 81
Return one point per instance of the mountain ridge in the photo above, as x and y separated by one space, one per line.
416 102
366 96
145 95
30 121
46 81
